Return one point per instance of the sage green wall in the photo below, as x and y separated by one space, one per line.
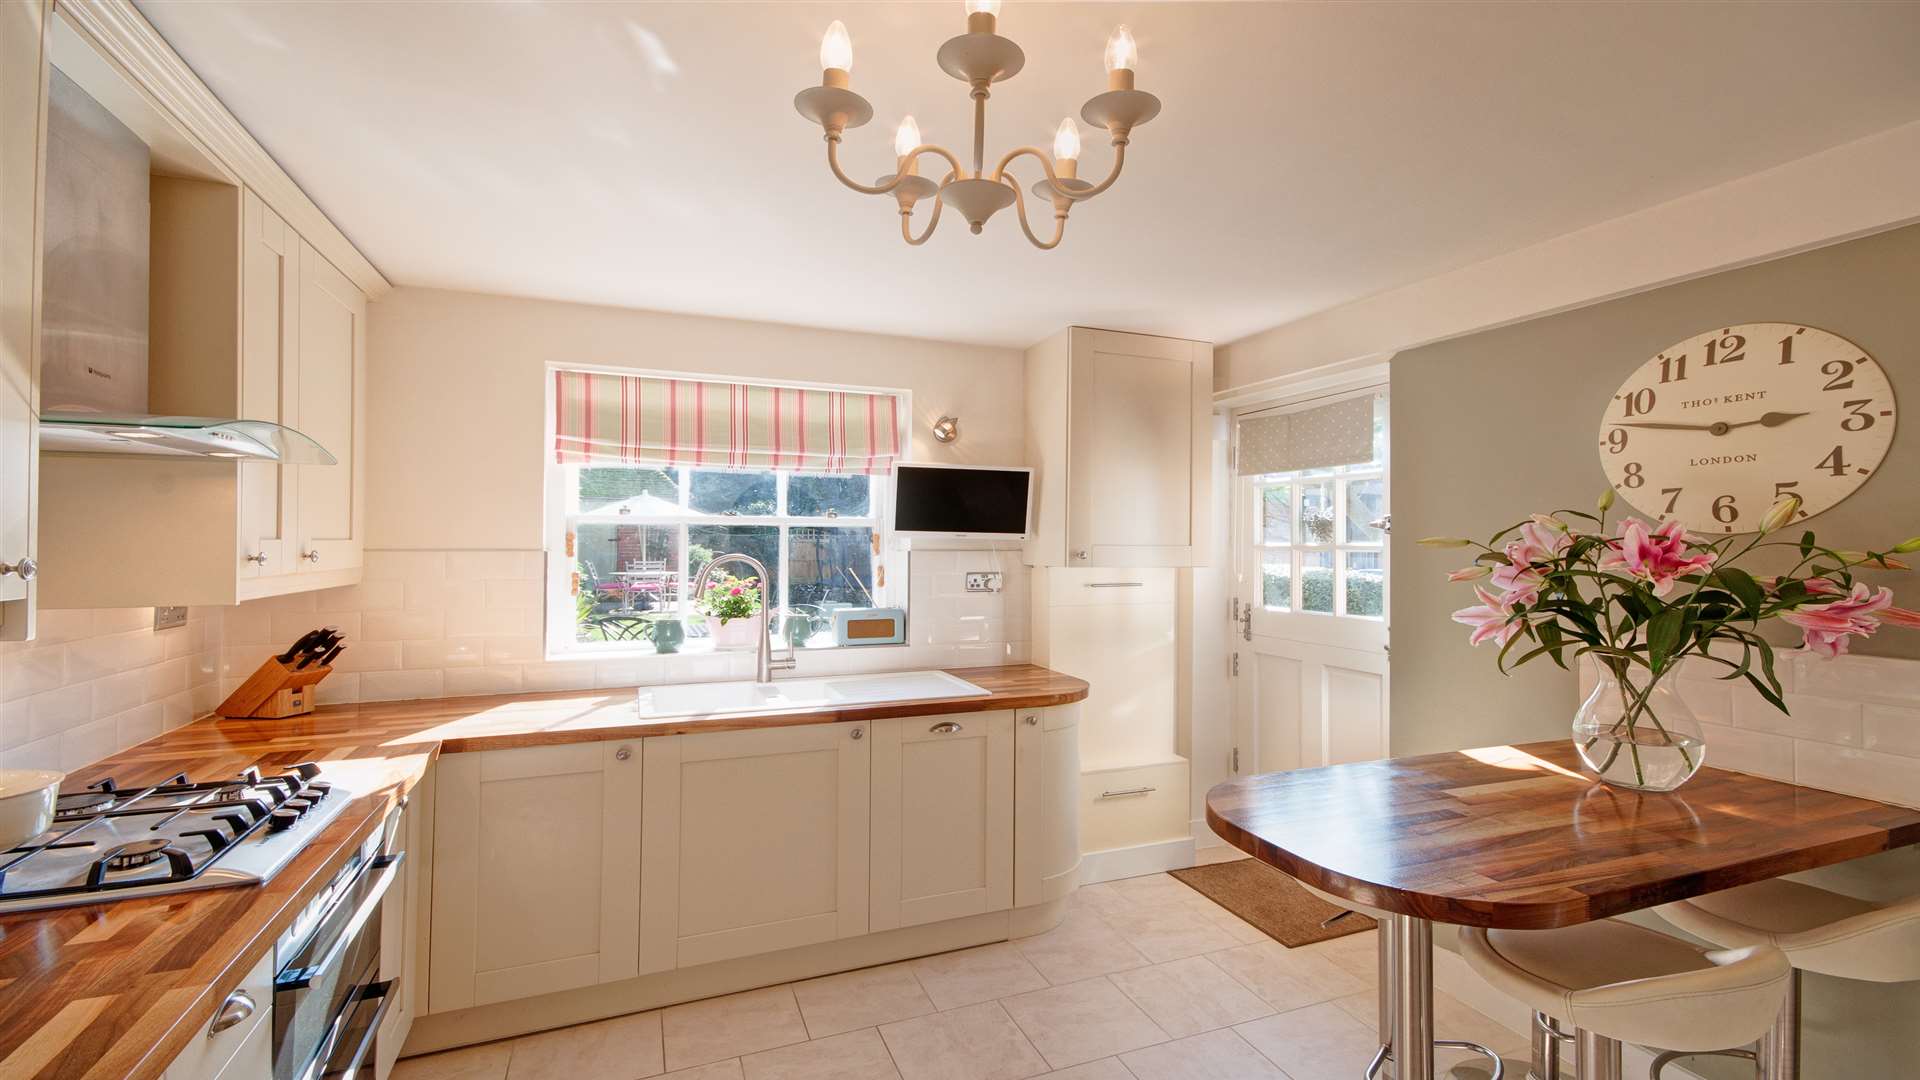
1494 426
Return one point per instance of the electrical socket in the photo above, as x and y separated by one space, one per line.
166 618
983 581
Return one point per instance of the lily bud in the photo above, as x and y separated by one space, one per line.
1548 521
1606 500
1444 541
1780 513
1468 573
1907 546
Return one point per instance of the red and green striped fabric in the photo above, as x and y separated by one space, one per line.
603 419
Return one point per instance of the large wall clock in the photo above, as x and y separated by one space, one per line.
1714 429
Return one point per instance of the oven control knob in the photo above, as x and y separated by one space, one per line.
281 820
298 806
317 790
307 770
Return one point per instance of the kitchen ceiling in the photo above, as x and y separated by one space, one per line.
648 155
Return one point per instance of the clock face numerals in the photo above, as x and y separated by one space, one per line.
1717 428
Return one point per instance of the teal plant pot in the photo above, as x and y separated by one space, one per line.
668 635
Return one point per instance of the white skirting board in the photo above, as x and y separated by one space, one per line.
1126 862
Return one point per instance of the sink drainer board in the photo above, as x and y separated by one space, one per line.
1273 902
722 698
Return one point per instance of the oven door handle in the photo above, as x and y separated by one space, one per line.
318 1068
388 867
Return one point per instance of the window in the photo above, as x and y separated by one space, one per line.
632 523
1319 548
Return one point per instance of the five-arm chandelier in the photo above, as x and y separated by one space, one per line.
979 58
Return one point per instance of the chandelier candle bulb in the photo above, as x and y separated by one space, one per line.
1122 56
904 140
836 55
982 16
1066 145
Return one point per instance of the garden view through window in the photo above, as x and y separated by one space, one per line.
1319 548
640 536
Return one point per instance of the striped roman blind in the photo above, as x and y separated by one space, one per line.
603 419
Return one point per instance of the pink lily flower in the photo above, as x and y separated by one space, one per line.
1828 626
1491 619
1657 556
1900 617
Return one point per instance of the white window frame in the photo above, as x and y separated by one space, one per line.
562 514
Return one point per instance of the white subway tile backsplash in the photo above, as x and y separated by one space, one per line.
1893 729
1753 752
483 565
402 625
404 566
400 685
1888 777
1818 718
118 693
504 679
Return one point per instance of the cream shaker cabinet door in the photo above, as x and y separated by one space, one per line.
1137 421
755 841
1046 771
269 385
23 110
536 872
942 841
332 405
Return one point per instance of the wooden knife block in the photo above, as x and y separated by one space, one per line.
275 691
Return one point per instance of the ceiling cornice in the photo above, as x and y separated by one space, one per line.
117 30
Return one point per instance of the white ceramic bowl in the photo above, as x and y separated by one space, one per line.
26 804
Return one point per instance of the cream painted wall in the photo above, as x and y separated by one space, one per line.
456 399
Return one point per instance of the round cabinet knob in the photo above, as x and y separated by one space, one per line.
310 556
622 754
26 568
258 558
858 734
1031 721
1081 554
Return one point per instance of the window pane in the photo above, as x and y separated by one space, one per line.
760 541
1276 583
1276 514
626 574
1366 501
716 491
831 569
1366 584
1316 581
1316 513
828 496
629 491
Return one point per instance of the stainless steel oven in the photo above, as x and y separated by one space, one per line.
328 999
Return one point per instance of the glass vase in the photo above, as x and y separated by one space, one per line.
1638 735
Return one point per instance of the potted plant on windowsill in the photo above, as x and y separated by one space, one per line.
736 617
1640 600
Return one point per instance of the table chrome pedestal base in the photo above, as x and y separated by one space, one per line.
1406 1006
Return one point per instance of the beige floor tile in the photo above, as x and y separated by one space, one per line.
1320 1042
1219 853
1237 928
1155 890
979 1042
1286 978
1169 933
1217 1055
623 1048
1082 1021
488 1062
703 1031
719 1070
859 999
1356 954
1101 897
970 976
1187 997
855 1055
1104 1069
1081 947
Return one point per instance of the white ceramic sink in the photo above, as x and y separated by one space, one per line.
720 698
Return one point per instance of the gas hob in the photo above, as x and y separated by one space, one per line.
112 843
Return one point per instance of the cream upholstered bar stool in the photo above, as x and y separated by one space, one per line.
1819 931
1385 946
1618 983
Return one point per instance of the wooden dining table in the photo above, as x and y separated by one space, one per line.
1518 837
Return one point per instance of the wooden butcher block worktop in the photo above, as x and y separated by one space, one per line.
115 990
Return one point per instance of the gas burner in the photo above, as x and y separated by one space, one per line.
84 802
135 854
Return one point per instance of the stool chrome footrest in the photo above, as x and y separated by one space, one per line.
1661 1059
1385 1054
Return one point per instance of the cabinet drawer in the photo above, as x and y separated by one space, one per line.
210 1051
1072 587
1138 804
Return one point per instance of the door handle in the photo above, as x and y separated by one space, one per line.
946 728
238 1006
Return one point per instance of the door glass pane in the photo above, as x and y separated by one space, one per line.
1276 582
1276 514
640 492
1366 584
828 496
1316 512
733 493
1316 581
1366 501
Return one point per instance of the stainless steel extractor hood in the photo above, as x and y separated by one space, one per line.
93 341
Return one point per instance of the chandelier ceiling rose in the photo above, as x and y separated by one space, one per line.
980 57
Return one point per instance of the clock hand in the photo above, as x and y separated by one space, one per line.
1772 419
1671 427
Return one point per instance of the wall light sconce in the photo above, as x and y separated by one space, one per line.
946 429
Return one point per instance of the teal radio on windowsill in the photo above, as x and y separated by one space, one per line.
870 626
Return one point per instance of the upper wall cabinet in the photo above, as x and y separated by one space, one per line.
248 320
1117 436
23 108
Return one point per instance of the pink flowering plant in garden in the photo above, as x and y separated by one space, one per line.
729 598
1640 597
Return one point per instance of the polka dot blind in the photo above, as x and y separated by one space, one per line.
1322 437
